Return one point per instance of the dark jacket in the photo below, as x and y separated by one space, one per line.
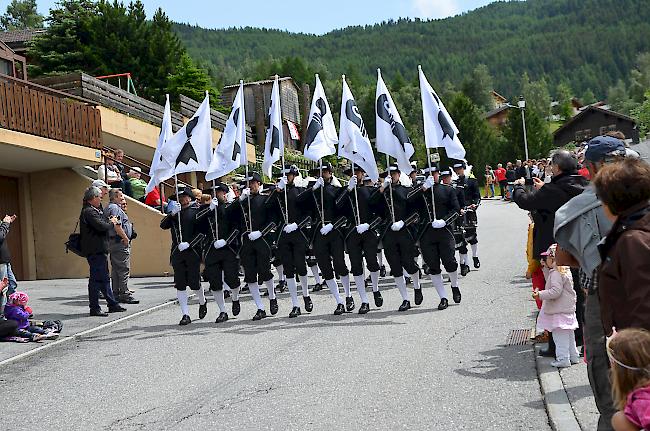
545 202
511 175
189 226
624 278
94 229
5 256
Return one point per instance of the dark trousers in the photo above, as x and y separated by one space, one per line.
256 260
437 246
580 305
222 265
7 328
399 249
330 249
360 246
502 186
187 269
292 250
99 280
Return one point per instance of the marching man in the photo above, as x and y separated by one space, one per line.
469 199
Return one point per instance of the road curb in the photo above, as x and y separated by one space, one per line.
81 334
561 416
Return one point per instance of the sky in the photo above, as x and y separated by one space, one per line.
298 15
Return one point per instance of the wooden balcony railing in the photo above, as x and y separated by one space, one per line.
30 108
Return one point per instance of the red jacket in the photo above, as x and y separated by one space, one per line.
500 173
153 197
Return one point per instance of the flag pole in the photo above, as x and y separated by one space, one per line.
390 188
286 199
216 221
248 186
356 198
433 199
180 229
322 199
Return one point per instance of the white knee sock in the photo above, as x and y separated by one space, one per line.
304 283
201 295
415 277
453 277
314 272
361 288
401 285
345 280
474 250
234 294
182 301
334 289
218 298
280 269
436 280
293 291
226 287
255 293
374 280
270 288
380 257
463 259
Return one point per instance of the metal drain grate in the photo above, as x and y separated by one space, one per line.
518 337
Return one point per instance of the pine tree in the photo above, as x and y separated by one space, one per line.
190 81
478 87
21 14
538 136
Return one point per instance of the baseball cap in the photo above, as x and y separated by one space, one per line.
550 251
602 147
100 184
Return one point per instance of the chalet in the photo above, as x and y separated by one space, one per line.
498 116
498 100
593 121
12 64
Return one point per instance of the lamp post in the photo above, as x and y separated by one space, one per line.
522 106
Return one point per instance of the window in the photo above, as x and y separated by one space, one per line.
587 134
578 135
612 127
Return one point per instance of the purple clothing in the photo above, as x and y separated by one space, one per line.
18 314
637 409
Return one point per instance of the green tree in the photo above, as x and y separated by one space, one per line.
536 95
478 87
538 137
640 78
190 81
642 115
21 14
564 96
619 99
588 97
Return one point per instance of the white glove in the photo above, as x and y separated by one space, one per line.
326 229
291 227
398 225
255 235
183 246
174 207
230 198
363 227
428 183
437 224
219 243
214 203
282 183
353 183
387 182
244 194
320 182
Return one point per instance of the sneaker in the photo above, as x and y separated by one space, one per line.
50 336
561 364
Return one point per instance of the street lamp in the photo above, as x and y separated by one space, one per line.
522 105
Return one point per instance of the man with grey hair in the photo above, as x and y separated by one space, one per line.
119 247
580 224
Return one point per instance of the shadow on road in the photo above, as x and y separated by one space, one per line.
512 363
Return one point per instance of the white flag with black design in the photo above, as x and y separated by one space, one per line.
354 143
158 165
320 139
274 143
392 138
190 149
231 149
440 131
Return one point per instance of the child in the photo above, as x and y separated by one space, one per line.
15 310
629 356
558 313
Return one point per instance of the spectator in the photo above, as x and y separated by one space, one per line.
579 226
489 181
624 279
197 194
119 247
102 186
109 172
94 230
138 185
5 255
500 175
119 158
511 176
520 170
16 310
629 352
154 197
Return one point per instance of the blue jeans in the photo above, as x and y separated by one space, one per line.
12 280
99 280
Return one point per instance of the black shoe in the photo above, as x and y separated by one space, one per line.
98 313
226 294
185 320
116 309
318 287
464 269
418 296
236 308
308 304
295 312
382 271
266 293
261 314
443 304
222 318
203 310
405 305
340 309
456 294
282 286
379 301
365 307
477 263
127 299
273 306
408 280
244 288
349 303
101 295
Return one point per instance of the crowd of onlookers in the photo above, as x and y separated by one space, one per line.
589 262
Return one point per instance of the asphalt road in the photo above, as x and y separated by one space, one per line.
423 369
